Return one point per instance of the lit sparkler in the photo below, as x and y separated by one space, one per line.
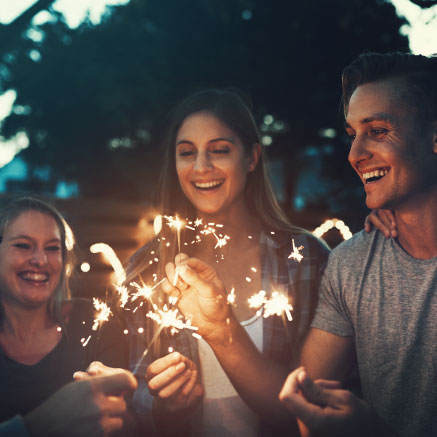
277 305
295 254
170 318
108 252
103 313
123 292
231 296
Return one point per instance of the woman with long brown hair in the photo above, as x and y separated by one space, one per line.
215 172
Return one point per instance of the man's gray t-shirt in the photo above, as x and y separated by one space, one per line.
386 300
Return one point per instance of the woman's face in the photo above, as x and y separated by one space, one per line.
30 259
211 164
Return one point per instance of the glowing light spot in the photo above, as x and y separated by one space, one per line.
110 255
140 330
157 224
85 267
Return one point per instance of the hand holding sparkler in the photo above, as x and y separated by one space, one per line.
174 382
201 293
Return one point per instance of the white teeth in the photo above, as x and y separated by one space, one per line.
375 173
35 276
207 184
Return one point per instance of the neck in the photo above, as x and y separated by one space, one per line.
417 228
24 323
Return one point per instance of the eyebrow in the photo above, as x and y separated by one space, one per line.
215 140
382 116
26 237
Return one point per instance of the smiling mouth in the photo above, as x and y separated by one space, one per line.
34 278
374 175
208 186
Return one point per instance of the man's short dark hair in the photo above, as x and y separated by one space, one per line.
419 74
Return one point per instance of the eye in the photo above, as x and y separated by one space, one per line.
184 153
53 248
22 246
378 131
221 151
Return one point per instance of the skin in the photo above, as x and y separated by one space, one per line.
207 151
386 132
30 269
92 406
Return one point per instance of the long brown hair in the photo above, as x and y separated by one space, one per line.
231 109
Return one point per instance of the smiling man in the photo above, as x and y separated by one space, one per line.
378 297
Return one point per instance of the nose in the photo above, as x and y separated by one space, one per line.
203 163
39 257
359 151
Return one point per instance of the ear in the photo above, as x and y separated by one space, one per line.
434 138
254 157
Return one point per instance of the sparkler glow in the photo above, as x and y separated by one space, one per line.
231 297
103 312
108 252
170 318
295 254
277 305
123 292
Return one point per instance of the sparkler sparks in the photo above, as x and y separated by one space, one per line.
277 305
103 312
123 292
170 318
231 296
295 254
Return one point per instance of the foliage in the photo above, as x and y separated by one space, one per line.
81 90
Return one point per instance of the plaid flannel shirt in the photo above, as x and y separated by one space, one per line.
281 340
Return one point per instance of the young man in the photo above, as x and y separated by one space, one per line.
378 297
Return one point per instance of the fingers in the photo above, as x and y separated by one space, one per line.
169 380
203 285
111 424
383 220
80 376
162 364
387 216
114 384
291 385
373 220
327 383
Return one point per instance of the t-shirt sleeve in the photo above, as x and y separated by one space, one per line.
331 313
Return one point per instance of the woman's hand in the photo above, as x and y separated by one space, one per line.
96 368
201 293
383 220
174 382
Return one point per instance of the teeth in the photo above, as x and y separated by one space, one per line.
375 173
35 276
207 184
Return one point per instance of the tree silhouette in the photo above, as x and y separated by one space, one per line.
93 100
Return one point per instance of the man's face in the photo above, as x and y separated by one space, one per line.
392 151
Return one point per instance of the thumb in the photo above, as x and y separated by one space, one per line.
115 384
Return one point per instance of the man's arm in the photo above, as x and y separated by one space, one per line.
328 356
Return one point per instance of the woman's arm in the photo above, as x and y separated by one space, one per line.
202 297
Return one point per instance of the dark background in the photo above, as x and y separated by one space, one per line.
93 100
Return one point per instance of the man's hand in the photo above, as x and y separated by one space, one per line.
202 295
325 408
91 407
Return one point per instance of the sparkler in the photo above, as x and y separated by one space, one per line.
108 252
276 305
103 313
295 254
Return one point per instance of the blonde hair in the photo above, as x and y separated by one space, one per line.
11 206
